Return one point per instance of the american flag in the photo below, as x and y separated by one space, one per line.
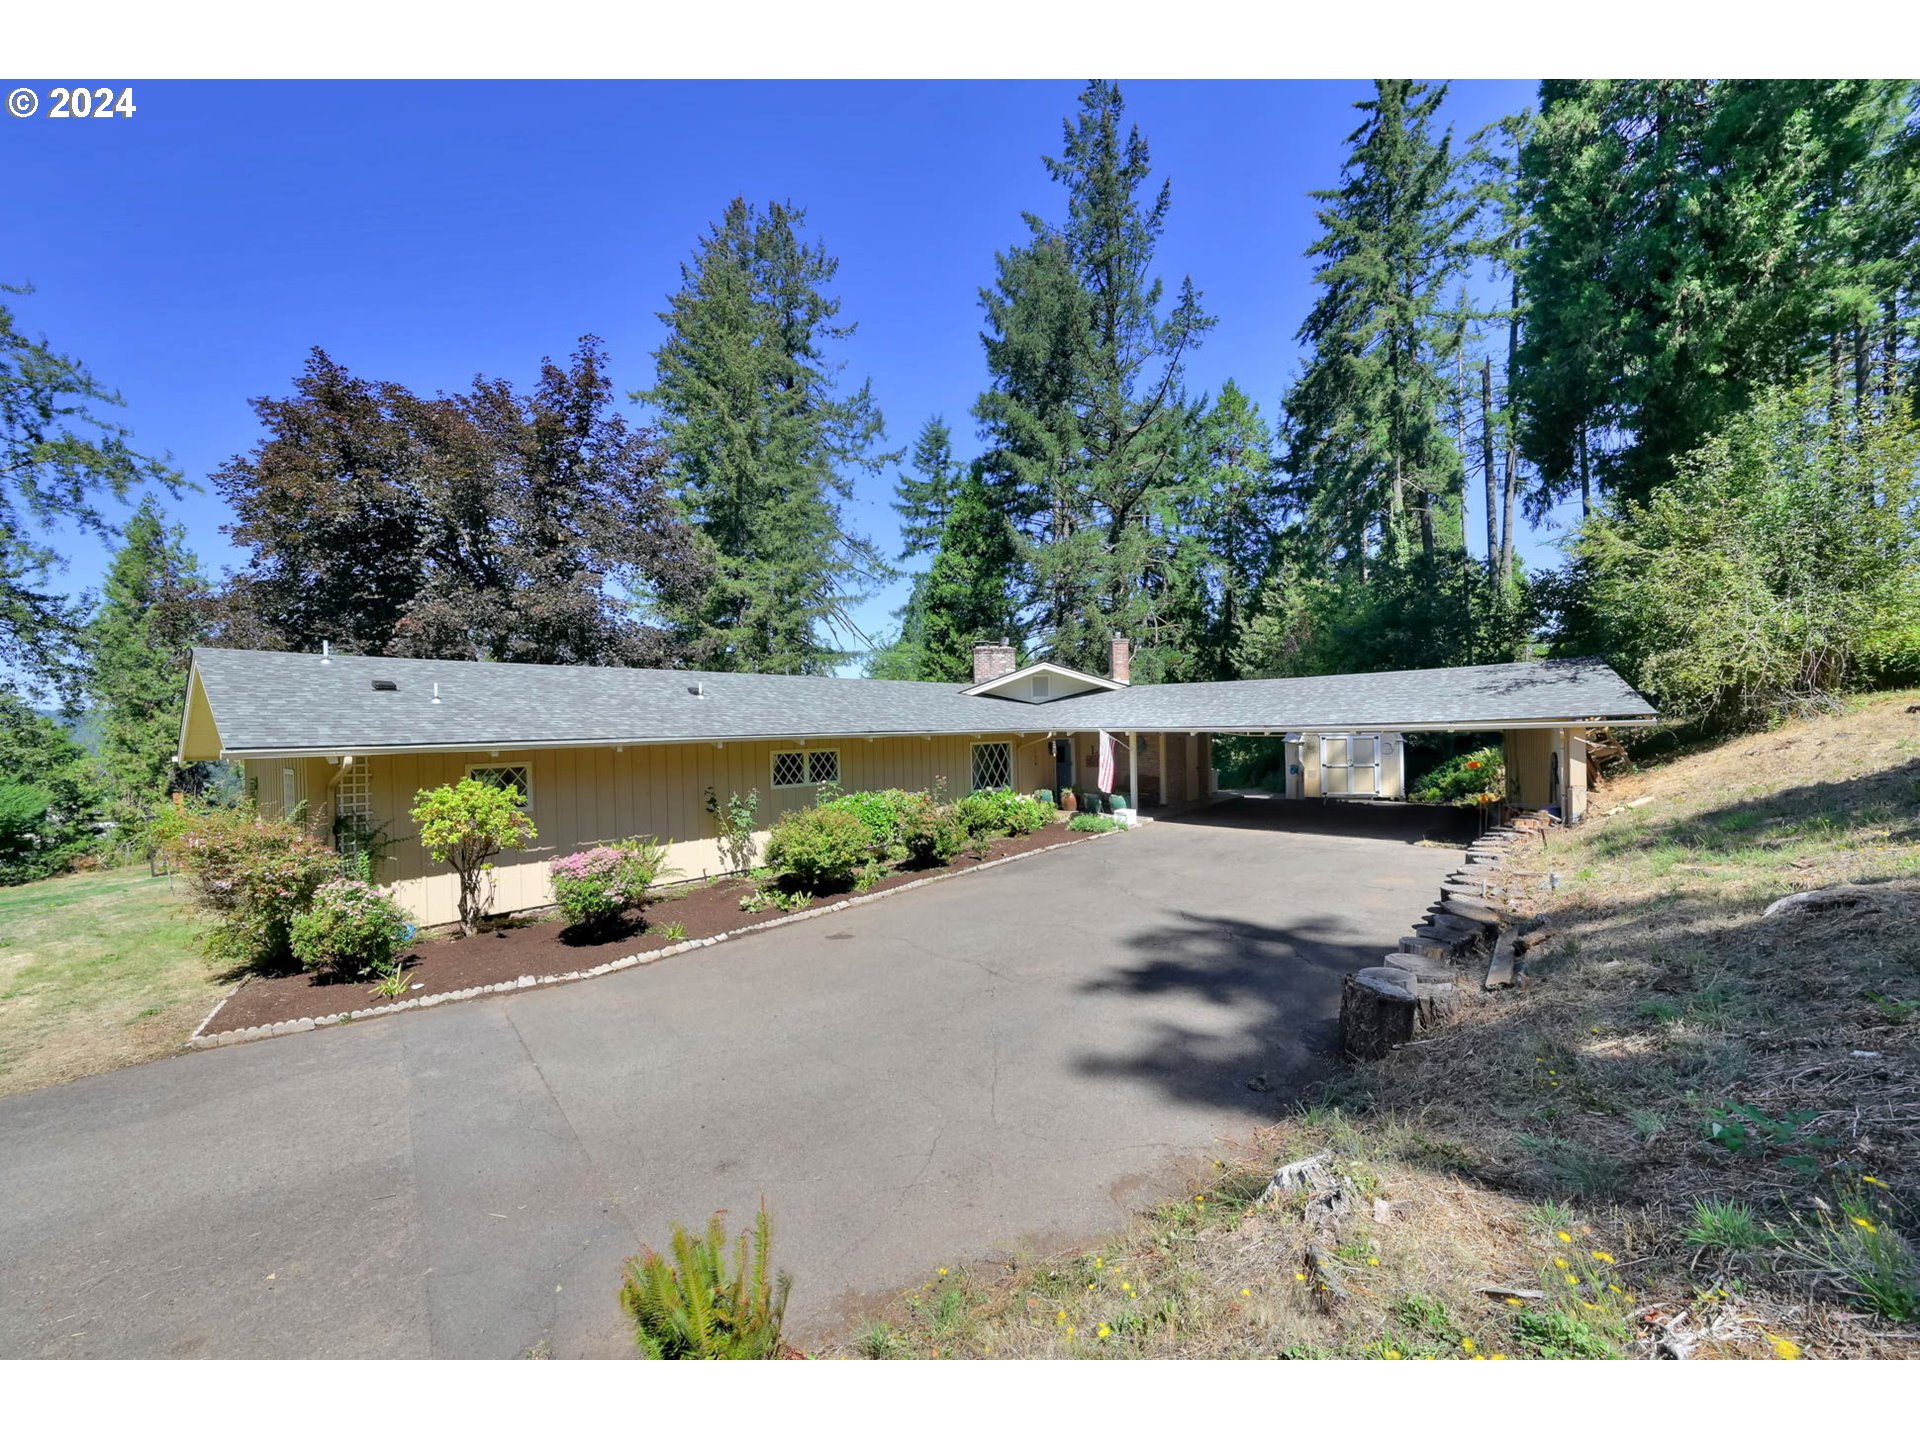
1106 763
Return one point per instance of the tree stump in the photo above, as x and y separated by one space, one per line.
1377 1010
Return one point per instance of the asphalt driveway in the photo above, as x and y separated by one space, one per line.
1013 1058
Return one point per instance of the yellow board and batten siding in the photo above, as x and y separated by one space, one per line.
586 795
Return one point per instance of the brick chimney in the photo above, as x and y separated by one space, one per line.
1120 660
991 661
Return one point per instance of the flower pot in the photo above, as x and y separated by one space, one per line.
1069 801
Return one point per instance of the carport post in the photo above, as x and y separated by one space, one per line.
1133 770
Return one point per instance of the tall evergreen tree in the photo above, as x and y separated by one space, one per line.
1229 524
965 599
924 496
1086 414
1692 243
1366 422
137 647
763 445
62 456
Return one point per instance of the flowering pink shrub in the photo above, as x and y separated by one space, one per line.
594 888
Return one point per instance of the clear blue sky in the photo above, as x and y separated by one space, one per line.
427 232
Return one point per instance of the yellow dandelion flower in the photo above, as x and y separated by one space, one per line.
1497 1356
1603 1257
1059 1317
1098 1263
1393 1354
1785 1348
1513 1299
1070 1332
1373 1260
1103 1332
1871 1181
942 1270
1572 1279
1245 1294
1560 1261
1563 1237
1466 1344
1866 1224
1300 1275
1126 1286
1090 1284
1590 1305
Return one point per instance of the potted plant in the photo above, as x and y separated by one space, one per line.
1069 801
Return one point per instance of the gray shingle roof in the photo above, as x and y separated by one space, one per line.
1476 696
278 701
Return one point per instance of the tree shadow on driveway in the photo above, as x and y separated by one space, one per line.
1254 1009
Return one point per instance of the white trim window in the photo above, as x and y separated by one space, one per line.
993 765
519 775
801 769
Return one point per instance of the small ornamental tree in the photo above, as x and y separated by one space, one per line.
465 826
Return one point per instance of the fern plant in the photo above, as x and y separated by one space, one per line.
700 1307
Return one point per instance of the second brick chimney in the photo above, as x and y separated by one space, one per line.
1119 660
991 661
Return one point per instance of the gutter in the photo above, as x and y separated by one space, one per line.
606 741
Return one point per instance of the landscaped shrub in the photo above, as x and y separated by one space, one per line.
465 826
250 875
1093 824
819 848
594 888
699 1307
988 814
349 932
931 834
883 812
1463 780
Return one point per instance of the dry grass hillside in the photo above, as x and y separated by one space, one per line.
1694 1132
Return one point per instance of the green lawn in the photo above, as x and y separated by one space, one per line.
96 971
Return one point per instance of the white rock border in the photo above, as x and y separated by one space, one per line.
200 1040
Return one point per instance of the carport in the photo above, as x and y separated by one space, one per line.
1544 710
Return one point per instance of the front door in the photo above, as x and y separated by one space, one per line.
1062 767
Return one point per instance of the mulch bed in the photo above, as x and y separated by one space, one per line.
542 946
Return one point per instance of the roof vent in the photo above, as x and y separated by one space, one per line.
698 687
436 692
326 653
386 684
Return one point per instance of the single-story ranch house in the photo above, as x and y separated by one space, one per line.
603 753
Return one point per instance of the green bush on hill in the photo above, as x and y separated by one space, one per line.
1463 780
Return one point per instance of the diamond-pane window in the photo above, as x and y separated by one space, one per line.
823 767
789 768
520 777
993 765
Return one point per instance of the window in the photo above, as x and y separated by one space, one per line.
993 765
1041 688
289 792
794 768
501 776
